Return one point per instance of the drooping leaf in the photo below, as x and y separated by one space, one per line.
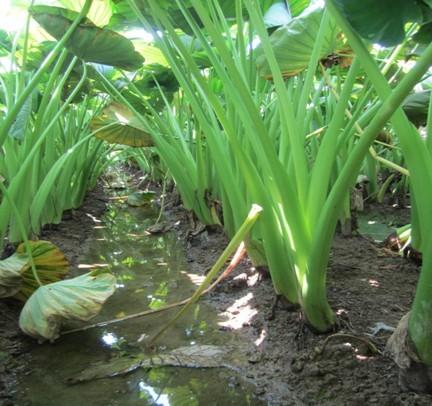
51 266
11 269
124 16
294 42
197 356
380 21
80 298
124 128
88 42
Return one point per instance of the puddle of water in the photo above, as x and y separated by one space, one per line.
151 271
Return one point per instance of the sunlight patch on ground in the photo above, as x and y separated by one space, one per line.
239 313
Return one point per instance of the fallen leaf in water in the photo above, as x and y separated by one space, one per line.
197 356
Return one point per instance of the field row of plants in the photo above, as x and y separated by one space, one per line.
288 105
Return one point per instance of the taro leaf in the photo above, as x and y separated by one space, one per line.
88 42
374 226
123 15
296 7
416 107
100 11
424 34
124 128
294 42
278 14
19 126
197 356
5 43
11 269
79 298
51 266
380 21
140 198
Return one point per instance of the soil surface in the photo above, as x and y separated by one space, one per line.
368 286
75 227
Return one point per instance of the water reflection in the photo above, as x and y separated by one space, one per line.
151 272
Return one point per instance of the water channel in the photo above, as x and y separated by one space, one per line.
151 271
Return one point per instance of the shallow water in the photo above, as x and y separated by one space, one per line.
151 271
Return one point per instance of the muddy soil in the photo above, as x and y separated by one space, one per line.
368 287
75 227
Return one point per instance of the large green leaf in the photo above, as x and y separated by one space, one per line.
88 42
80 298
124 16
100 11
294 42
381 21
122 127
16 274
11 269
19 126
416 107
5 43
51 266
296 7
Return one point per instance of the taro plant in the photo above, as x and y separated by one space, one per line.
265 127
49 158
411 344
44 138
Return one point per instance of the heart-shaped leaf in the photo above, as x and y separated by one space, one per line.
381 21
293 43
88 42
80 298
122 127
51 266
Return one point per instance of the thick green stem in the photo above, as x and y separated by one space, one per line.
417 154
327 222
315 304
420 321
